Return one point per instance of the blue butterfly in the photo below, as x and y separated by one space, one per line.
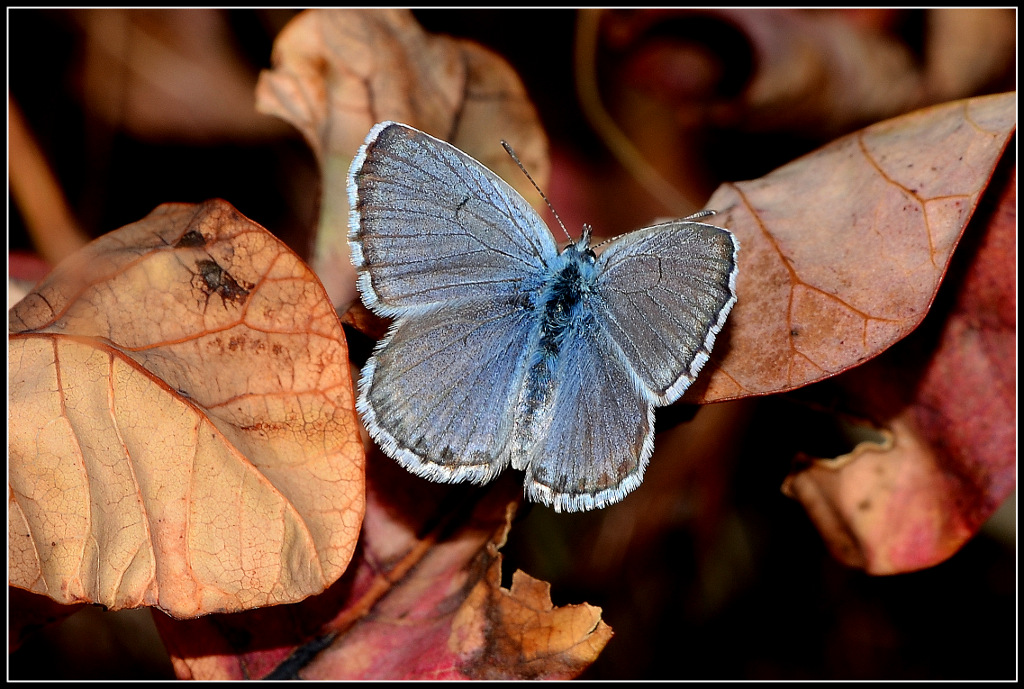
504 350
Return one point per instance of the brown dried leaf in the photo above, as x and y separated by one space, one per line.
338 72
946 400
842 251
517 633
422 600
181 422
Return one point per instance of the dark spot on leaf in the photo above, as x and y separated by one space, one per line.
191 238
215 280
301 657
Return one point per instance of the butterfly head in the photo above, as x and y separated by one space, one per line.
582 248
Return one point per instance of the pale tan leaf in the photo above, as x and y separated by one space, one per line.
181 422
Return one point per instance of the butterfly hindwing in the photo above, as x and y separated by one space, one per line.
438 391
601 431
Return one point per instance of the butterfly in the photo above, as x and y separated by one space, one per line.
506 351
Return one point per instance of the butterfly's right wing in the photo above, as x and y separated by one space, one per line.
665 292
429 224
436 393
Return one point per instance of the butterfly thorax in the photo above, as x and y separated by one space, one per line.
564 296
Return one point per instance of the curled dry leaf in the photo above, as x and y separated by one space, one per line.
945 399
181 422
338 72
422 600
842 250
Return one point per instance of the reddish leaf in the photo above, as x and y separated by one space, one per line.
842 251
338 72
423 600
181 422
946 401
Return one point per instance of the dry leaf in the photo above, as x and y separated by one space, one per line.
818 73
945 399
167 74
181 422
842 250
422 601
24 270
517 633
338 72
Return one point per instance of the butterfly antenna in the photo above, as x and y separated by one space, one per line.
508 149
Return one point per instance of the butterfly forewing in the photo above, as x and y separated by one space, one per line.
430 224
664 294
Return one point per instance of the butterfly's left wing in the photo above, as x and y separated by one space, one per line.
601 432
664 293
430 225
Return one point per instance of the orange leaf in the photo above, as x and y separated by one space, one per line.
338 72
518 633
946 400
422 600
842 251
181 422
